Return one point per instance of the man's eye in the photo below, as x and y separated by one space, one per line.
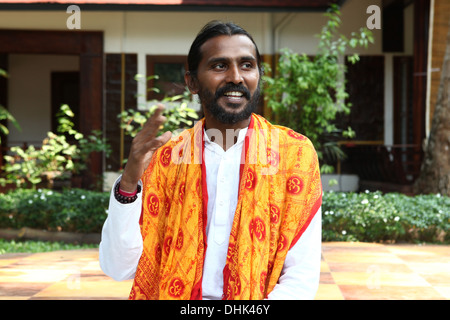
247 65
219 66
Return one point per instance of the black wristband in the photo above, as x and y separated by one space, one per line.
125 199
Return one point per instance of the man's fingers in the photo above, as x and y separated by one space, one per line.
165 137
159 141
157 114
151 127
142 148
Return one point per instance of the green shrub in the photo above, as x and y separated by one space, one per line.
71 210
307 93
375 217
57 158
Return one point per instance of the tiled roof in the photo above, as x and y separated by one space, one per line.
307 4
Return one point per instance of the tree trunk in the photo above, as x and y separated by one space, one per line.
435 171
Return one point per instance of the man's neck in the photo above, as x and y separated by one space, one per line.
223 134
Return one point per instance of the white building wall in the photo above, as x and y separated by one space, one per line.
29 94
172 32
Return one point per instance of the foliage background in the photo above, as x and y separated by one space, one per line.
367 217
391 217
312 95
71 210
306 93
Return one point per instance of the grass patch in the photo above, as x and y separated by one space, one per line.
13 246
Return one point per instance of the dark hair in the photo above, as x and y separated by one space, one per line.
214 29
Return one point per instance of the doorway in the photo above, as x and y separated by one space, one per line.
65 89
88 46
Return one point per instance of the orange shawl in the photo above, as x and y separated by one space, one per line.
279 193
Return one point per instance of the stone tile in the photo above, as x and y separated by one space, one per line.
348 271
430 267
57 298
33 275
324 266
419 250
326 278
7 262
357 266
11 289
375 279
19 255
443 291
367 256
358 292
437 279
328 292
363 245
87 289
14 298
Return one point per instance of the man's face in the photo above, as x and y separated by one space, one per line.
228 78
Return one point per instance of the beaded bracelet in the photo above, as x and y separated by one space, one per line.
122 198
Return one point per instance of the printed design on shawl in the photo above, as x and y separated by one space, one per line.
272 212
167 244
231 277
294 185
173 252
262 281
158 253
273 158
250 180
180 240
153 204
255 266
296 135
234 287
258 228
176 288
282 243
140 288
181 193
166 156
167 203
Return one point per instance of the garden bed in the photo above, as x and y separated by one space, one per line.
79 215
71 210
390 217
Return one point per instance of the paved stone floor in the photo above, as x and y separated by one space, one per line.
349 271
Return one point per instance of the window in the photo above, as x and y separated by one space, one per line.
170 71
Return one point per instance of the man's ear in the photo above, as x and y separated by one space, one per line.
191 82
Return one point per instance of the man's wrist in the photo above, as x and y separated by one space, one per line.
125 197
127 194
128 187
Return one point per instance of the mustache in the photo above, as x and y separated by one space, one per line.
233 87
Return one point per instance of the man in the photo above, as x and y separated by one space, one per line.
230 209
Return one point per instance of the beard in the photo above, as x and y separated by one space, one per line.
209 101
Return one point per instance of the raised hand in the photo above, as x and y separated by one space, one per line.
144 144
